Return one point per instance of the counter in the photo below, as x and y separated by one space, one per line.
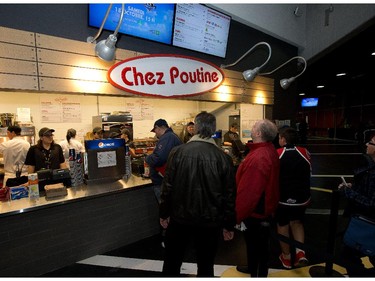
92 219
74 193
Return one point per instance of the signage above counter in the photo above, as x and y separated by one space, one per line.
165 76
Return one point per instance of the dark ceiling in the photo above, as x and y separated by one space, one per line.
352 55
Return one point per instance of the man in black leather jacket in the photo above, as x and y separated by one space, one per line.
197 200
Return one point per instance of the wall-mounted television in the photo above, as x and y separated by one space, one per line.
149 21
202 29
309 102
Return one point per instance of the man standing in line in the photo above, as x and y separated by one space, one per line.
157 160
14 154
257 181
197 200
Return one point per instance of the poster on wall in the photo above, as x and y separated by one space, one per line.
140 109
250 113
60 110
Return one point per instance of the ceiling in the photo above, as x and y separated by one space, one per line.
352 55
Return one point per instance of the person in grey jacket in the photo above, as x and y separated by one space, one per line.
198 199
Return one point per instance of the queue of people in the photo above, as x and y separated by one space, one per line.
202 197
272 188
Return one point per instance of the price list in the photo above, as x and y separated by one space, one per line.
201 29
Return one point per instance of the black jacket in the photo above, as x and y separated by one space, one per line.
199 185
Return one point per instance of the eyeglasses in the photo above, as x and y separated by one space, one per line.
371 143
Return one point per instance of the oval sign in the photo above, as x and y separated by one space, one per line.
165 76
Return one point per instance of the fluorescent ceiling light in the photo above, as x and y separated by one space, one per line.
341 74
320 86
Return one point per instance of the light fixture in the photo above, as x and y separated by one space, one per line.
250 74
106 49
285 83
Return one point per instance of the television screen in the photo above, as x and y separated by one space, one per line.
202 29
309 102
149 21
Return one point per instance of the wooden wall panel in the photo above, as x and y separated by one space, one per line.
63 65
72 72
18 82
18 67
63 58
18 52
16 36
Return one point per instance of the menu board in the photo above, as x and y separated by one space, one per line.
201 29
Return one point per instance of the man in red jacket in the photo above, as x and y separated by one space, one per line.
257 181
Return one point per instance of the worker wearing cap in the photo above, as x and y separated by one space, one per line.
46 154
97 133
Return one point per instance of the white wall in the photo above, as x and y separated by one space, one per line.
174 111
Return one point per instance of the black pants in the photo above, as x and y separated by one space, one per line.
178 237
257 238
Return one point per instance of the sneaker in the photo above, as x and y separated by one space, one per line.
285 262
300 259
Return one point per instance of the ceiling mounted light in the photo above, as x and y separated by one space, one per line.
340 74
250 74
285 83
106 49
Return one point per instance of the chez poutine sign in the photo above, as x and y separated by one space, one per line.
165 76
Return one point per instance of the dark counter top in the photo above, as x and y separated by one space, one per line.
98 188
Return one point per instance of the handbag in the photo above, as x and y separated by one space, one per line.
360 235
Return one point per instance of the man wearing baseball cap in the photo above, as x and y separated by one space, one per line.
158 159
97 133
46 154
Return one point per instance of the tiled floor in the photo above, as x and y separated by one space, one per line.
145 258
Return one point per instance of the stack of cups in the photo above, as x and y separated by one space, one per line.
76 167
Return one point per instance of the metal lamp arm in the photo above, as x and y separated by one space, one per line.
277 68
92 39
120 21
252 48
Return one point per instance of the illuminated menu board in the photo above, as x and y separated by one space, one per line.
201 29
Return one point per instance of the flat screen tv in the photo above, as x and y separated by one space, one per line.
148 21
202 29
309 102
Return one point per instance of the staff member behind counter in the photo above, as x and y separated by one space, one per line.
46 154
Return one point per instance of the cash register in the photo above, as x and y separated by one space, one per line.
53 176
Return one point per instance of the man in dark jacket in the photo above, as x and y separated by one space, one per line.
158 159
197 200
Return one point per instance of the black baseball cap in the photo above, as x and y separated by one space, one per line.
45 131
160 123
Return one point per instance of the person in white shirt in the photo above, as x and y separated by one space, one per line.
71 143
14 154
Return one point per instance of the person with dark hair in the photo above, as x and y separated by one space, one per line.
197 200
231 135
46 154
97 133
257 181
14 154
361 202
71 143
128 137
295 173
187 132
